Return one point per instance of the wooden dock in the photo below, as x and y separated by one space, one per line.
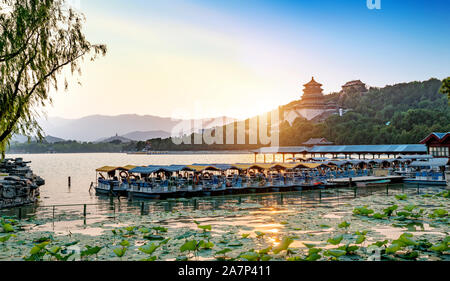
394 179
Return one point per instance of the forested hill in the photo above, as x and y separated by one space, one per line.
398 114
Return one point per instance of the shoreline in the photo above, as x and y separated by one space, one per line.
215 152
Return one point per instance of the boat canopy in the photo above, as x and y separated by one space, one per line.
106 169
160 168
127 167
413 157
435 162
198 168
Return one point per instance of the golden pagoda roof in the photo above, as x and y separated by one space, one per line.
312 83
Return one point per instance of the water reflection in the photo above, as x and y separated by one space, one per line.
260 210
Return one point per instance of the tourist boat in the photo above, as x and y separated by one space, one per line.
184 181
430 172
110 184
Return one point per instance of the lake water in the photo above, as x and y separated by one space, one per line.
56 168
311 216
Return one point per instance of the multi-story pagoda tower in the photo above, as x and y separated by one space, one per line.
312 106
313 96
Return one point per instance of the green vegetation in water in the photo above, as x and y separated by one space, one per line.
420 225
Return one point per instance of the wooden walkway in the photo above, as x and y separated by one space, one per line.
366 179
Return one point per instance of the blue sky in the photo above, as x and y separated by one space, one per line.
198 58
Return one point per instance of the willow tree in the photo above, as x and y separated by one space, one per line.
38 39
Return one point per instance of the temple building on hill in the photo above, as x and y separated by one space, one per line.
355 86
312 106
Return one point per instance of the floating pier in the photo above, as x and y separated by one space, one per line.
348 181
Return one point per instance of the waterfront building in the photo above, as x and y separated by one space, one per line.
344 151
319 141
438 144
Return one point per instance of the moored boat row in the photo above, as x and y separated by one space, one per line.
180 181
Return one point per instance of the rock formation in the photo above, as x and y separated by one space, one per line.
18 185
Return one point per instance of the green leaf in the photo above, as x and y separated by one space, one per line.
165 241
205 245
401 196
144 230
153 237
5 238
265 251
379 244
235 244
224 251
124 243
335 253
441 247
120 251
363 211
245 235
309 246
313 257
265 258
394 248
410 255
410 208
335 240
148 249
440 213
360 239
205 227
405 240
54 249
190 245
90 251
344 224
378 216
390 210
182 258
159 229
250 256
7 227
71 243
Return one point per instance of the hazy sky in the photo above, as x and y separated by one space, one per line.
206 58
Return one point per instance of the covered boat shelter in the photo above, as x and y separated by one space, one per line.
362 151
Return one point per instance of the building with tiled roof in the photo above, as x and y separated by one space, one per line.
438 144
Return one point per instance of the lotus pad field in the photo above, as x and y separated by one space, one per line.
374 227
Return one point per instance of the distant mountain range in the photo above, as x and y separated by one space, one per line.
97 128
49 139
137 136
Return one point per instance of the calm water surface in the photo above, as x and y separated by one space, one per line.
56 168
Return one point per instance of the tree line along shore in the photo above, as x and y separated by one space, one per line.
398 114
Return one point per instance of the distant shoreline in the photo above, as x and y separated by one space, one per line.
191 152
145 153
